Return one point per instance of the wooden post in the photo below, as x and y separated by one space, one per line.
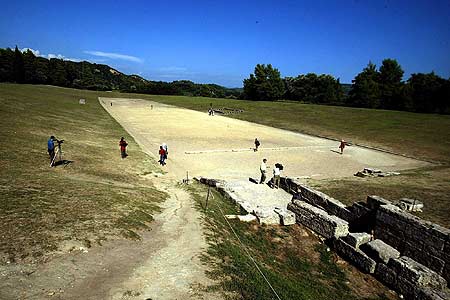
207 197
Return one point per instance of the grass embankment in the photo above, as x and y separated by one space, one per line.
425 136
95 197
295 262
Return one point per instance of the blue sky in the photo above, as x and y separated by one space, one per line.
222 41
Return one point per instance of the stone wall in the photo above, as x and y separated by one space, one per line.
408 254
423 241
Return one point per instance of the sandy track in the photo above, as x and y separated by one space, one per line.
203 145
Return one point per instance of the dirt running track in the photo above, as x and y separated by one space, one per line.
220 147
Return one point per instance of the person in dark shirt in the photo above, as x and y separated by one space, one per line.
257 144
123 147
51 148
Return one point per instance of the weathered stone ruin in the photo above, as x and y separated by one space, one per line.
408 254
369 172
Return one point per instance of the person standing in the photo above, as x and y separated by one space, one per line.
162 156
257 143
276 176
166 149
263 169
342 146
51 149
123 147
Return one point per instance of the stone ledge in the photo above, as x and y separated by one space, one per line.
287 217
414 272
380 251
318 220
355 256
356 239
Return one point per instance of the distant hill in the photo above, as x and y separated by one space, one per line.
19 67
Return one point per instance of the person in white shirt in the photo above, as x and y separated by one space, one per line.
276 177
263 169
164 145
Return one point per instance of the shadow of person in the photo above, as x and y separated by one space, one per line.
253 180
63 162
335 151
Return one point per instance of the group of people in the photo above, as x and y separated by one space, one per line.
163 151
276 173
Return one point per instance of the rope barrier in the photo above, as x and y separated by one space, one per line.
248 254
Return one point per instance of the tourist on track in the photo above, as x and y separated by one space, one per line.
123 147
263 169
162 156
276 176
257 144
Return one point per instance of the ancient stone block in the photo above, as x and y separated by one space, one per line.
428 293
380 251
287 217
360 210
312 196
355 256
391 239
386 275
446 273
412 271
318 220
355 239
267 216
373 202
329 204
424 255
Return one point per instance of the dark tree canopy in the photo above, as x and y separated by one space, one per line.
265 84
365 91
391 75
25 67
322 89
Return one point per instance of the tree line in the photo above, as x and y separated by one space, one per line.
25 67
380 88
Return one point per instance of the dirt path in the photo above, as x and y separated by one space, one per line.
165 264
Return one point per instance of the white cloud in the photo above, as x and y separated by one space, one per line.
115 56
51 55
173 69
35 52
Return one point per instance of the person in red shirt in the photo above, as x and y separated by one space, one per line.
123 147
162 156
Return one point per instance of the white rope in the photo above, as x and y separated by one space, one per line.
248 254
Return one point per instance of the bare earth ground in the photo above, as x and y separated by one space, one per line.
165 264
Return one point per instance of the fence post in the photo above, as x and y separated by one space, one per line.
207 197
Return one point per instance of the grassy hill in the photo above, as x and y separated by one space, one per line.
97 196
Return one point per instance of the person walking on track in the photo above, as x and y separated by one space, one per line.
123 147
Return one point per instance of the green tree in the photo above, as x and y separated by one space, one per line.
429 93
6 65
391 75
265 84
365 90
19 70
